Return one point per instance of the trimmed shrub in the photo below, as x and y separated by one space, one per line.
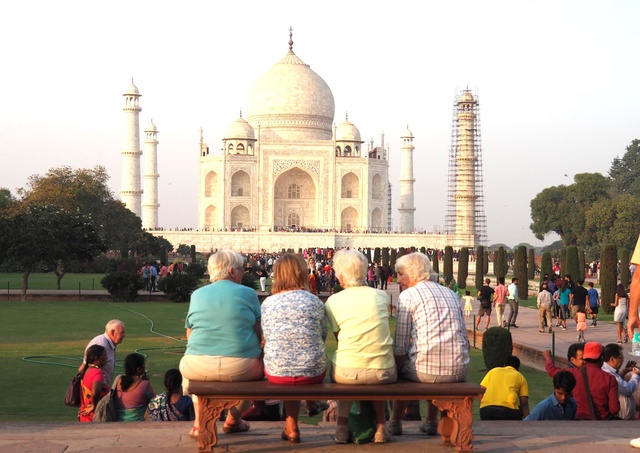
581 265
500 263
392 260
196 269
625 273
179 286
448 264
250 279
608 276
531 264
497 347
479 266
423 250
435 262
546 266
193 254
562 256
376 255
520 271
122 285
463 267
385 256
572 266
485 262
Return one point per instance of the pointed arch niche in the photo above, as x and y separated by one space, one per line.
210 184
240 184
349 219
350 186
240 217
376 220
210 217
295 192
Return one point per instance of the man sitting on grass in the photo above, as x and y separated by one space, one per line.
560 405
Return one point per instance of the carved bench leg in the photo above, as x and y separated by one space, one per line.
457 426
209 413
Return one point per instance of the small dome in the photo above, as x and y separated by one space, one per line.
151 127
407 133
240 129
132 89
346 131
466 97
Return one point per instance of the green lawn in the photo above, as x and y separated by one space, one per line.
42 345
48 281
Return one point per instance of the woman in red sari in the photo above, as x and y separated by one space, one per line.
93 386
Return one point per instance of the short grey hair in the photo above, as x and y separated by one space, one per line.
416 266
351 268
220 262
114 324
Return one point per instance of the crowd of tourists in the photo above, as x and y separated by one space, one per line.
231 337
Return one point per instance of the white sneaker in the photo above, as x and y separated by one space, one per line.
635 442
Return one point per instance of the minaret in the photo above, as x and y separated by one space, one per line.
131 192
406 209
150 206
466 163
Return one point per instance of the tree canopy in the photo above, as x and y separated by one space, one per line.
595 209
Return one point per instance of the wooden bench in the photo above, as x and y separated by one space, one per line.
455 399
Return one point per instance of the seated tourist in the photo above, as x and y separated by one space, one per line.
507 393
560 405
359 318
171 405
603 386
431 340
613 359
133 390
295 330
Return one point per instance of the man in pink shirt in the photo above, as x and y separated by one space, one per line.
500 299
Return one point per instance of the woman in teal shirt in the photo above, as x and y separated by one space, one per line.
224 334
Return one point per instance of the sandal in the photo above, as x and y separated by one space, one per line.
240 427
342 434
194 432
429 427
292 436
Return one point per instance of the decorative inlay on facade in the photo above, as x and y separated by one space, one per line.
280 166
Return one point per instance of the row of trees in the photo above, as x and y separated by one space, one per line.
595 209
68 215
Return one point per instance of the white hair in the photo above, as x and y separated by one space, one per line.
416 266
221 262
114 324
351 268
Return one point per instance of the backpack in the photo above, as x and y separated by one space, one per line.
106 408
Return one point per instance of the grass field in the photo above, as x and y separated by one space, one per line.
42 345
48 281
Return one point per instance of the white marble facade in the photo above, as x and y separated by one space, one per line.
287 167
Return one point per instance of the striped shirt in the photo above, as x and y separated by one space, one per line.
431 331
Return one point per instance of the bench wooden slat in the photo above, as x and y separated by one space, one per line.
399 390
455 399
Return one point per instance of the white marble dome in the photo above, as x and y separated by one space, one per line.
151 127
346 131
240 129
132 89
291 101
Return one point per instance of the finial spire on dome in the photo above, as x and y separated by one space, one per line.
347 116
240 113
290 39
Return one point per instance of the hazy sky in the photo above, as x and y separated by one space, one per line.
557 82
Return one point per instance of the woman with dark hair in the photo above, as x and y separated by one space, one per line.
620 313
171 405
295 330
94 385
133 390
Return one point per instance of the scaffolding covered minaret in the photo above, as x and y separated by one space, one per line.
466 219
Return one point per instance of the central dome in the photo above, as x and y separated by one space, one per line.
291 102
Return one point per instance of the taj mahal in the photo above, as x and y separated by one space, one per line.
288 177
